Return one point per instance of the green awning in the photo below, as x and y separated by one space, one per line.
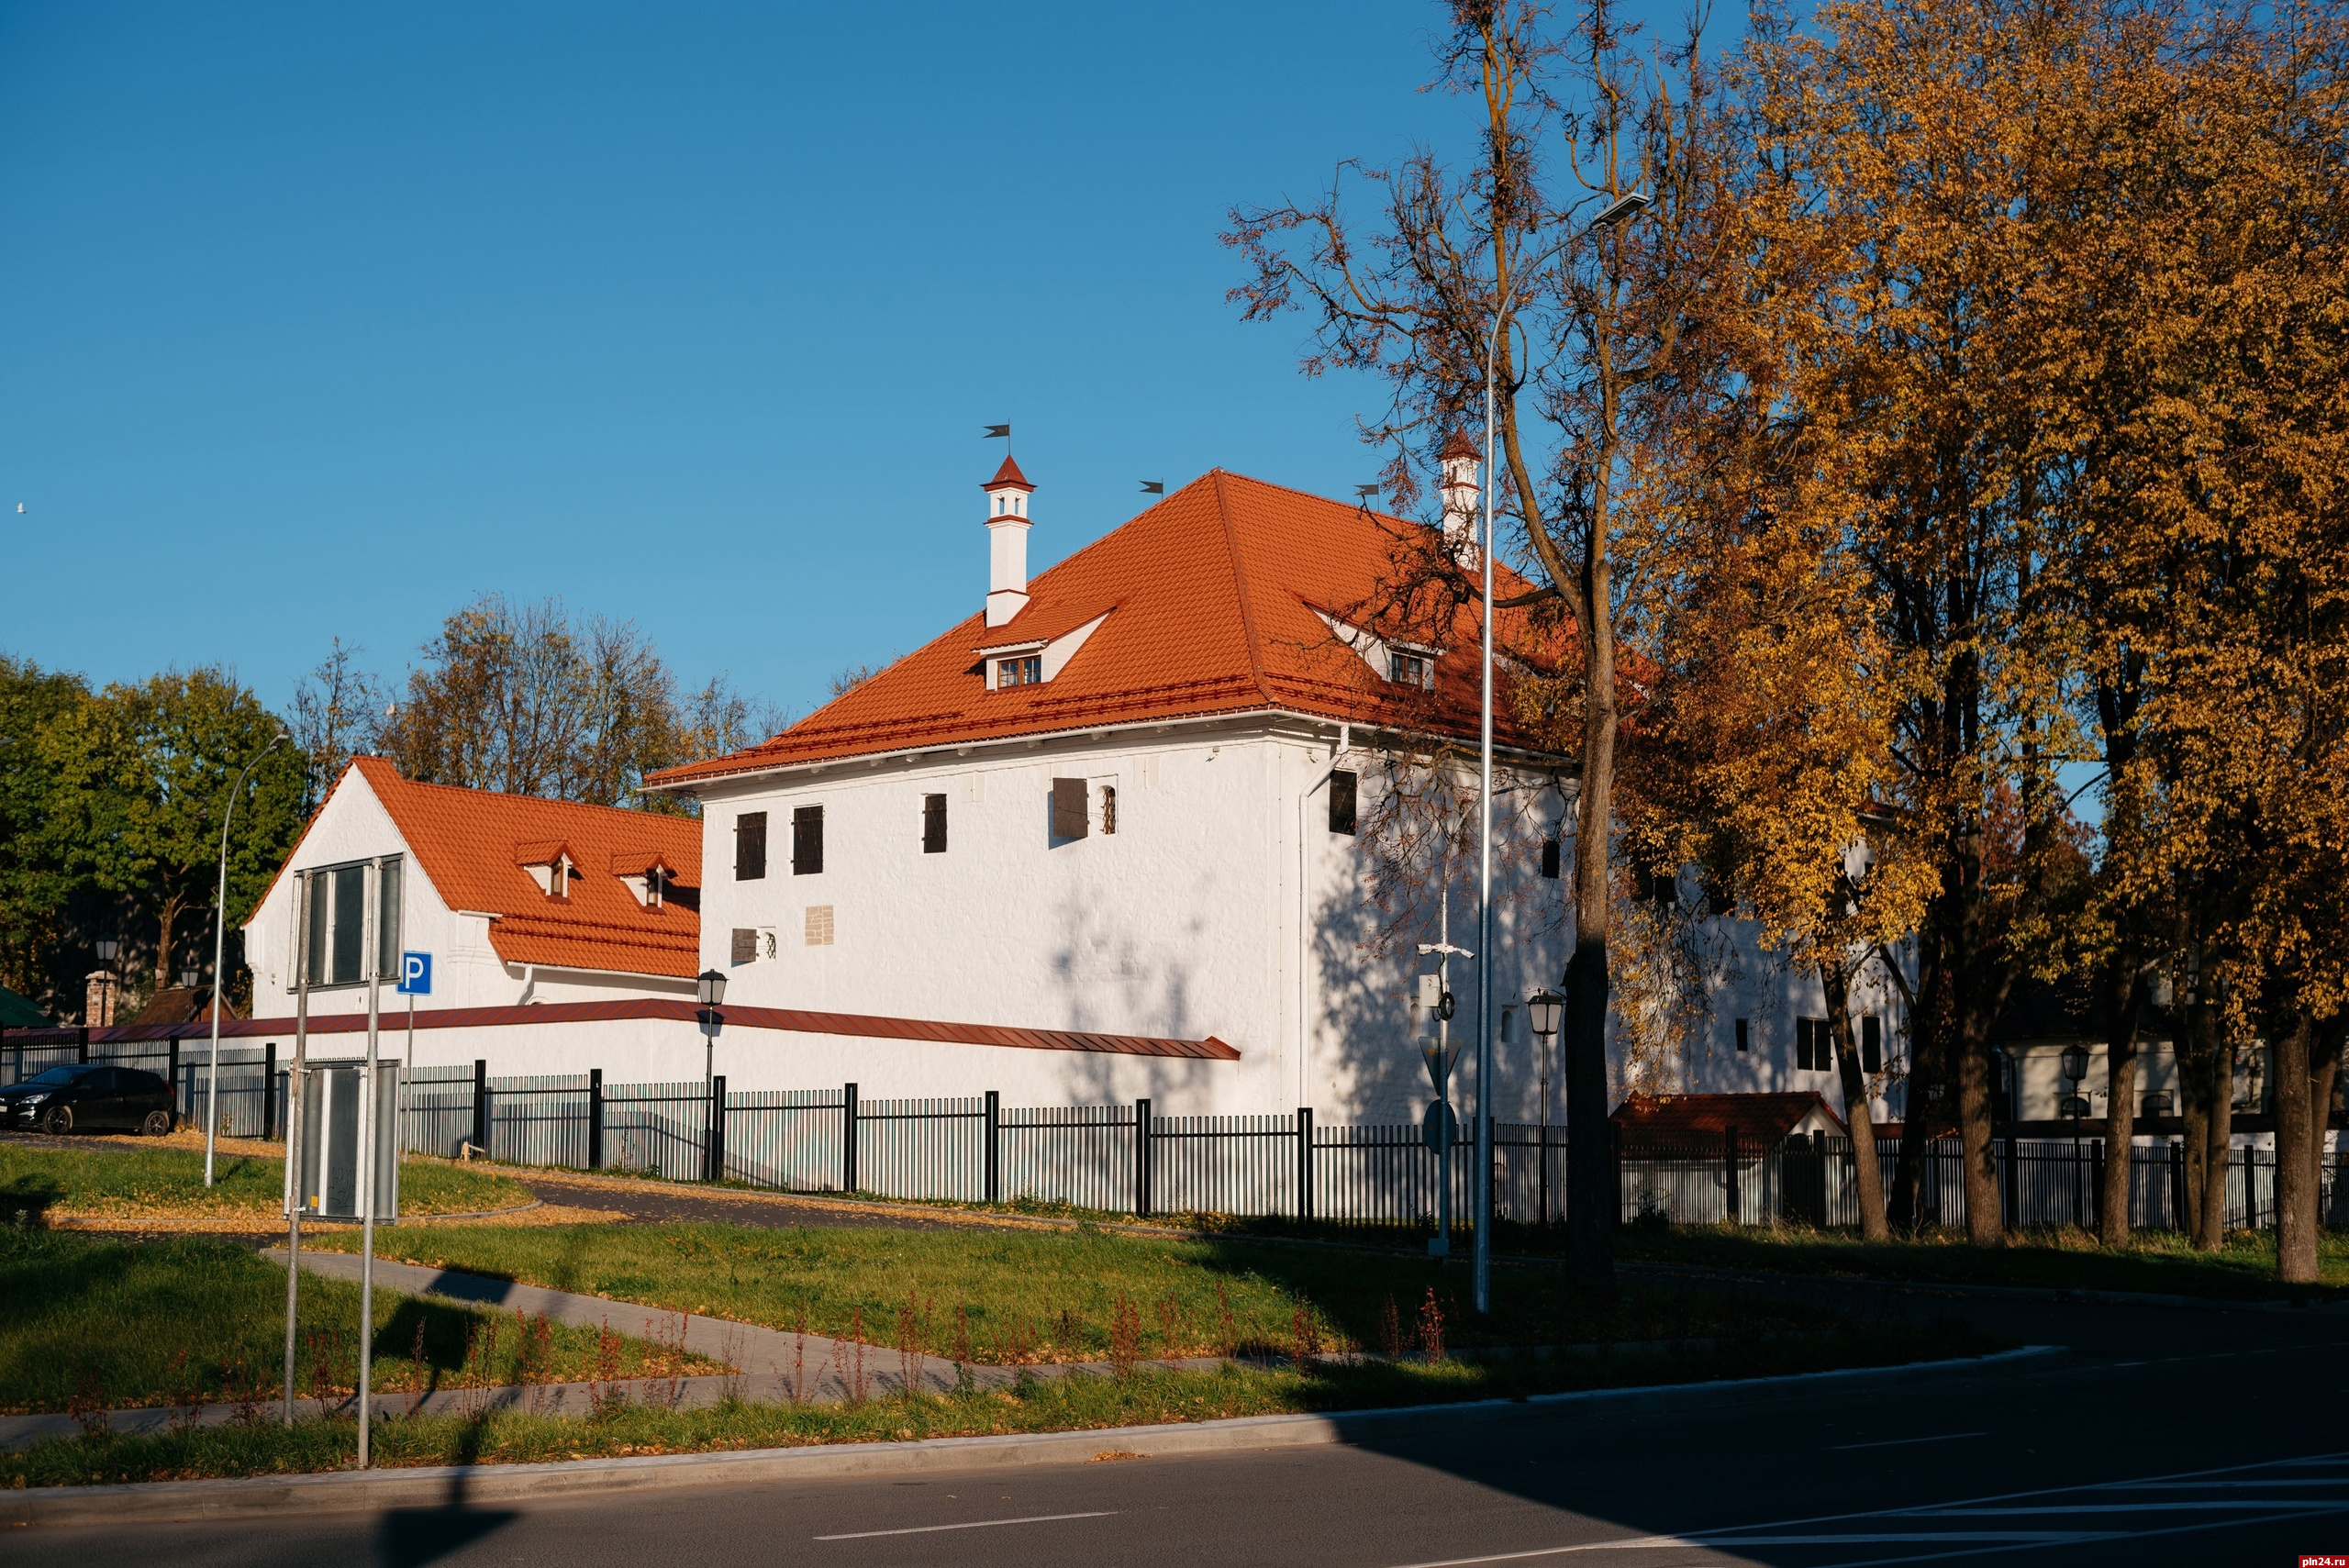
17 1013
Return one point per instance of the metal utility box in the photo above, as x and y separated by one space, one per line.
333 1113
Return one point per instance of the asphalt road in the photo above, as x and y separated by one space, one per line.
2176 1437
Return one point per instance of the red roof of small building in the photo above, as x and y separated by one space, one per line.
1761 1117
1457 444
472 845
1008 476
1211 597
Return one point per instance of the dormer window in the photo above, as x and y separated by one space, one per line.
1025 670
550 865
1407 669
647 880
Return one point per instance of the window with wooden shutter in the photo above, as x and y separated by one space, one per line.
933 825
807 840
1070 799
749 846
1108 808
1551 856
1814 1046
1871 1044
1343 798
1744 1036
746 945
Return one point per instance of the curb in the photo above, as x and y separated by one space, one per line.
1694 1272
457 1487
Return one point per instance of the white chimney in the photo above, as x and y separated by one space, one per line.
1461 496
1007 495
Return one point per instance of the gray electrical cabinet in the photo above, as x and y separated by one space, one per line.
333 1118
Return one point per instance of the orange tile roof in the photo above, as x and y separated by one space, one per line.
1211 596
473 843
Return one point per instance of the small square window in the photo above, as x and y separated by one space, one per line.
1407 669
1744 1036
1027 670
1343 816
1550 859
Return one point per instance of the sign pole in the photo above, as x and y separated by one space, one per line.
294 1196
368 1111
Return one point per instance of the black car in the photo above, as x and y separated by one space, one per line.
89 1098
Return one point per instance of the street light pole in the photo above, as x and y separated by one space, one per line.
219 942
1628 205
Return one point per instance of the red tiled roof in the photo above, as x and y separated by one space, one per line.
790 1021
1214 591
1761 1116
1457 444
472 845
1007 475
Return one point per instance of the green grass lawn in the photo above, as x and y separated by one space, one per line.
2156 1261
1079 1403
94 1322
1009 1297
129 1181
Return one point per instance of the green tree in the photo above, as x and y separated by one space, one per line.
36 878
142 776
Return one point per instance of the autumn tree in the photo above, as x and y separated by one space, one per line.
37 876
1585 328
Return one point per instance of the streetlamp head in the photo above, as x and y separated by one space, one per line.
188 977
709 990
2076 1063
1630 205
1547 1010
107 948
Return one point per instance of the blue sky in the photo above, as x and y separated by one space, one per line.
319 320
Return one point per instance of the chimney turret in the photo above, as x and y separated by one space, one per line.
1007 495
1459 459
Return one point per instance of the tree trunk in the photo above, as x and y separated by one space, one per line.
2295 1173
1922 1107
1857 1118
167 917
2125 998
2211 1224
1982 1218
1591 1200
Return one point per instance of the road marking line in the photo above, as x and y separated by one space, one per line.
1898 1443
975 1524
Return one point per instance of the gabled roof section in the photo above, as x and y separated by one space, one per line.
472 845
1219 592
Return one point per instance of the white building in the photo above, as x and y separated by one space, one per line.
1124 797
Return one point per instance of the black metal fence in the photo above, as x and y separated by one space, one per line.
1129 1159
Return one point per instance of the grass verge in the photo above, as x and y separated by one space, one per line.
1008 1297
94 1323
123 1179
1077 1404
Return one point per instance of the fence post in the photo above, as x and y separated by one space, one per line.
176 1077
2013 1183
716 1157
2096 1176
481 1105
594 1118
269 1097
82 1044
1141 1159
2178 1186
1304 1162
848 1138
1615 1161
1732 1186
993 1169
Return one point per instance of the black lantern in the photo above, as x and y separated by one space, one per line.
1546 1010
107 948
709 990
2076 1063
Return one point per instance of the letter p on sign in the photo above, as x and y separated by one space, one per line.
416 975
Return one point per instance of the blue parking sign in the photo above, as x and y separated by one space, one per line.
416 975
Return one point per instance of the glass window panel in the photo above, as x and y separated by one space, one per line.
349 923
388 921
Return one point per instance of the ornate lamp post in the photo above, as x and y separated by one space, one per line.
709 991
2074 1107
1545 1010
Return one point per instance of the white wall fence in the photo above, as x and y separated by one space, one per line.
1128 1158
